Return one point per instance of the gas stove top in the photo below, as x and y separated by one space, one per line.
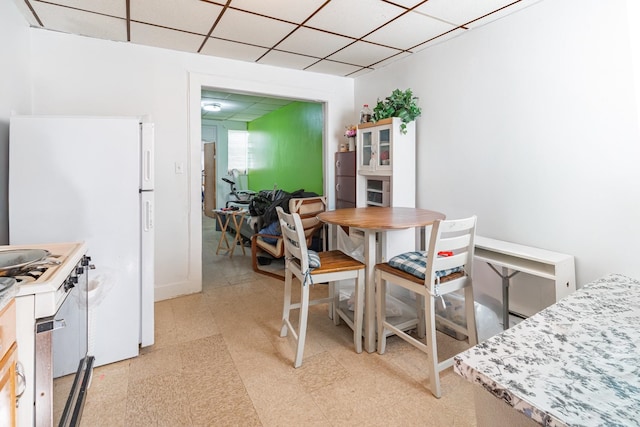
45 283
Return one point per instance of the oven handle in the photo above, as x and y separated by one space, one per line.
21 383
49 324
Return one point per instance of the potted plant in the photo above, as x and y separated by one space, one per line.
398 104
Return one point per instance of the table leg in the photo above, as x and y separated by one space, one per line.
223 237
370 291
238 239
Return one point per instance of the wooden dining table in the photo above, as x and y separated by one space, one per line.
373 220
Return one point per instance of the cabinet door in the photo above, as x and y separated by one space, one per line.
8 388
346 189
367 148
346 164
384 151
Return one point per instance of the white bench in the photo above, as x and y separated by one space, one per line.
538 262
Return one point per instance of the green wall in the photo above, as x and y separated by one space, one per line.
285 149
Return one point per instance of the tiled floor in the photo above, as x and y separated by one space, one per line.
218 360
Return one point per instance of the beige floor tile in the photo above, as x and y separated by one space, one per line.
218 360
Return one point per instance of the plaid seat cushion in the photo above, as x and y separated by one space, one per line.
314 259
415 263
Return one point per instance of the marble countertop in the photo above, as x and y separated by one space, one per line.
576 363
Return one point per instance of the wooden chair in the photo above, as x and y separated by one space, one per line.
333 266
449 271
308 208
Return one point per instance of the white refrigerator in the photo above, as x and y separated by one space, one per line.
91 179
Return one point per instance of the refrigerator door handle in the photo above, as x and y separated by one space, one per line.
148 170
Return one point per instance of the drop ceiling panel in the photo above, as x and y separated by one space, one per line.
232 50
502 13
293 11
80 22
314 43
460 12
287 60
296 34
363 54
336 68
392 59
441 38
116 9
150 35
240 107
252 29
354 18
408 3
410 30
193 16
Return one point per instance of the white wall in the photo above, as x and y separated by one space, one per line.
78 75
222 128
15 95
531 123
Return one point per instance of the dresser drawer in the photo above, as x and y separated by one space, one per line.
7 327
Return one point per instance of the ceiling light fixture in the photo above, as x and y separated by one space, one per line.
211 106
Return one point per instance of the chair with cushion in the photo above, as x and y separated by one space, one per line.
310 268
430 277
272 244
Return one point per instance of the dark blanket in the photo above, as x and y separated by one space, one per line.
264 204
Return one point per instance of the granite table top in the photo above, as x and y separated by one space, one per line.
576 363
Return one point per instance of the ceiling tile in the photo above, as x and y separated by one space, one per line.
162 37
287 60
363 54
79 22
232 50
460 12
393 59
313 42
502 13
293 11
194 16
361 72
409 30
344 16
335 68
247 99
108 7
441 38
252 29
408 3
249 29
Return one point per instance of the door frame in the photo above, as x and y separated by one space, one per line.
336 106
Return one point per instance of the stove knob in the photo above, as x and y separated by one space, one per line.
85 260
79 270
68 284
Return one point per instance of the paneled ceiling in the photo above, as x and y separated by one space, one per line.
338 37
239 107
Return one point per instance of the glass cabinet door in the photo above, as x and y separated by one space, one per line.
384 148
366 148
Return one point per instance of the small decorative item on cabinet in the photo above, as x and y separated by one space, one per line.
351 132
352 143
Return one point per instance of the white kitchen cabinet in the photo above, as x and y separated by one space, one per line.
386 164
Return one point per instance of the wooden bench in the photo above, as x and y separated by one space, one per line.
526 259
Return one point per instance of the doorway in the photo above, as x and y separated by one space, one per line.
224 114
276 86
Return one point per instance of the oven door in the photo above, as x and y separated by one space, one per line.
63 370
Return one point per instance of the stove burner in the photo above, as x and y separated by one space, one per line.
31 273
